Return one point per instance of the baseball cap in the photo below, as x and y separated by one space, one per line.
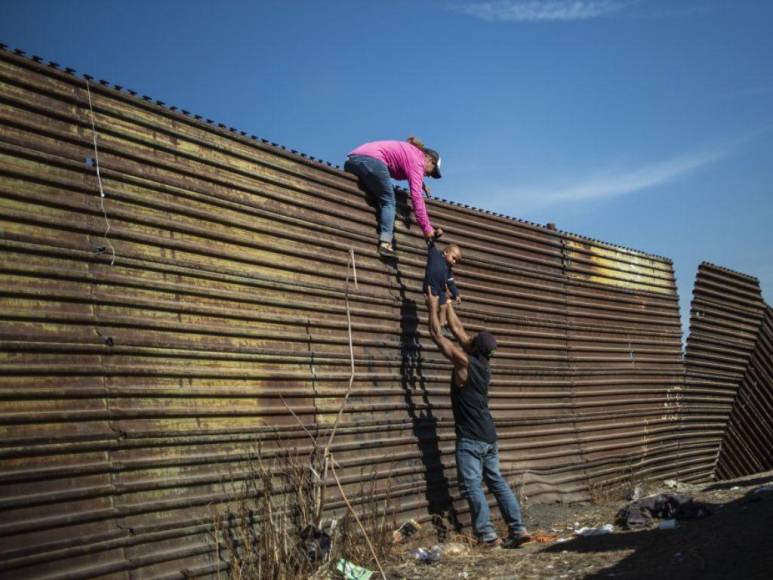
484 343
436 157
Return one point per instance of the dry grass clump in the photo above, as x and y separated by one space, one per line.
377 517
273 528
604 490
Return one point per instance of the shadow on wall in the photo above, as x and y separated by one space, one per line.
438 496
437 487
734 542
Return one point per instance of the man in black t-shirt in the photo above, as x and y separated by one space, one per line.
477 456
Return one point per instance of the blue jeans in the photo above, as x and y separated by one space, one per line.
374 176
476 460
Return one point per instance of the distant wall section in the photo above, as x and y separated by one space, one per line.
726 407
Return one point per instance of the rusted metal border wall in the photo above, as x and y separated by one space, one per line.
726 314
134 386
747 447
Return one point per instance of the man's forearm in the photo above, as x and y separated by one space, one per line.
447 347
456 326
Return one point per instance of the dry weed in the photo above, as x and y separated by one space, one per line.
271 529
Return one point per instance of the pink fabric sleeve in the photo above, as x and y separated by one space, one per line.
416 182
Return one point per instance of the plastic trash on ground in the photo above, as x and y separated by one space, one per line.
429 556
600 531
671 524
353 571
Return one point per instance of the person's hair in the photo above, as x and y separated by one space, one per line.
452 247
416 142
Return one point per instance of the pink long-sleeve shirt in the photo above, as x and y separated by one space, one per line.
404 161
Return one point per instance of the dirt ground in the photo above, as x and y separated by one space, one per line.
736 541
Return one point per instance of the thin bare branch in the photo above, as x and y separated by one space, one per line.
357 519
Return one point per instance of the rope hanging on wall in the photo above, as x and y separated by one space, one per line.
99 176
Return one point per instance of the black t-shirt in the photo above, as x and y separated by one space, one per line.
470 403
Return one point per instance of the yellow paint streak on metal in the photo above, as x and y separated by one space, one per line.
38 101
232 423
48 100
138 193
50 330
48 124
225 151
191 404
26 230
41 82
66 404
32 168
35 210
607 280
622 258
32 139
227 248
641 272
328 401
189 132
150 141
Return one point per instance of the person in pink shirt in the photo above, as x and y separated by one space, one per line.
377 163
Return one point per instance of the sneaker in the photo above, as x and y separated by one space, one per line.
385 249
516 540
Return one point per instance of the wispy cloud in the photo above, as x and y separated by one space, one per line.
616 182
541 10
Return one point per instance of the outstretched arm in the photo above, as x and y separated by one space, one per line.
416 186
456 327
452 352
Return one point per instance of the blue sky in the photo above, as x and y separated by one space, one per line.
645 123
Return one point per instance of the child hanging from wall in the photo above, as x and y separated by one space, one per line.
439 277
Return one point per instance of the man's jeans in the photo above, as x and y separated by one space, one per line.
374 176
476 460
